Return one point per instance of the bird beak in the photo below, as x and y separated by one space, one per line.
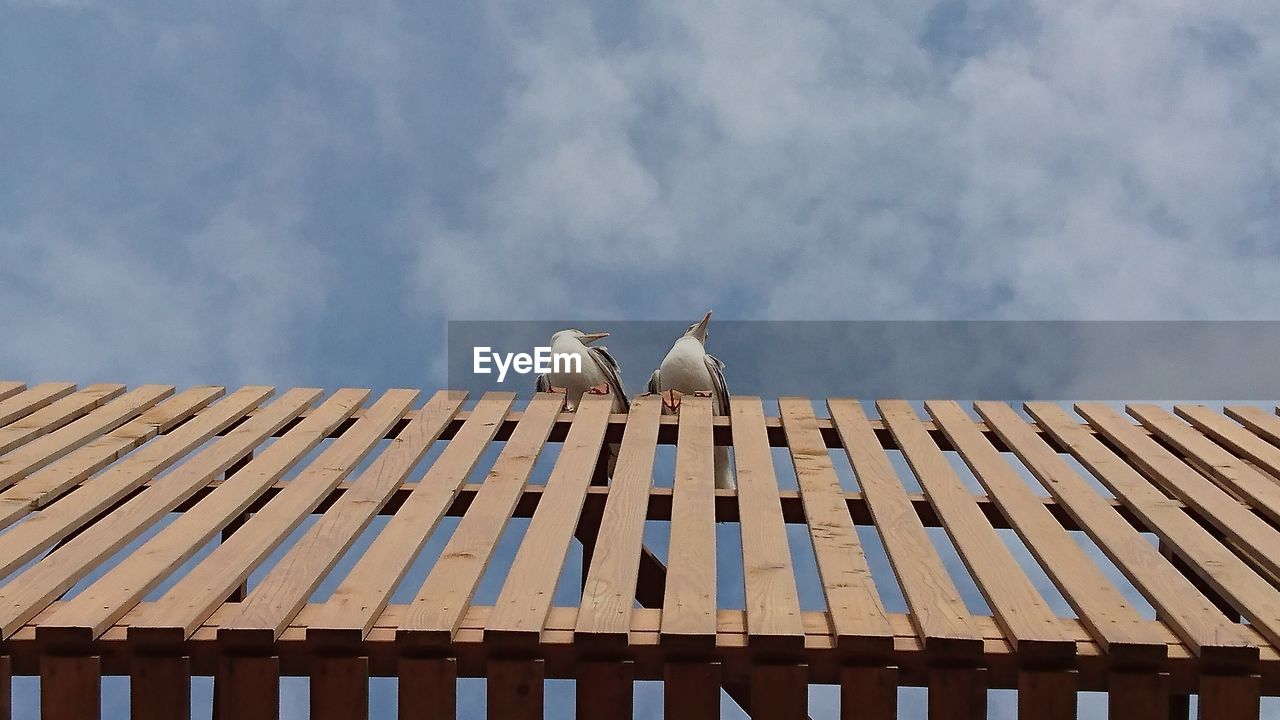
700 330
588 338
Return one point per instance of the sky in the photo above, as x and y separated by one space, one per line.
305 193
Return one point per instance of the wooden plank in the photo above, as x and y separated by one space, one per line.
112 595
55 415
428 689
772 600
248 688
118 481
1047 694
858 618
1201 625
159 688
269 607
49 483
779 692
957 693
514 689
1215 563
1229 697
1110 618
362 595
525 599
1259 421
1242 480
610 590
689 601
33 589
6 688
691 690
52 446
1238 439
1165 470
1022 613
436 611
70 687
868 693
9 388
1141 696
29 401
193 598
605 689
339 688
937 610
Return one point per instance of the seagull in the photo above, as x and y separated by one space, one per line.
688 369
600 374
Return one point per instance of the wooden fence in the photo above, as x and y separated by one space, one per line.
203 487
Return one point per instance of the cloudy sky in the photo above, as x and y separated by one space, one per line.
304 193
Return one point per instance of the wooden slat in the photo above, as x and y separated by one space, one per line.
937 610
33 589
48 483
112 595
55 415
56 522
1260 491
270 606
428 689
868 693
192 599
70 687
1215 563
44 450
691 690
1023 614
610 590
29 401
6 688
689 603
1204 628
522 605
1257 420
858 618
957 694
1239 439
363 594
514 689
1234 520
248 688
1114 623
1171 524
9 388
339 688
772 600
438 607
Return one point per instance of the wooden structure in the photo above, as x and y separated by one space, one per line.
1189 516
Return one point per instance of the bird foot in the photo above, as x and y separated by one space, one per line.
601 389
671 399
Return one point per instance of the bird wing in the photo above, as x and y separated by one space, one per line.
612 373
719 388
543 384
655 385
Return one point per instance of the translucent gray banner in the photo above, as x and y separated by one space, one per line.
917 360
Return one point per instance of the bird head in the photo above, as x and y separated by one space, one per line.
585 338
699 329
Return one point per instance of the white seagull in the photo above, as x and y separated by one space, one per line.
600 374
688 369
